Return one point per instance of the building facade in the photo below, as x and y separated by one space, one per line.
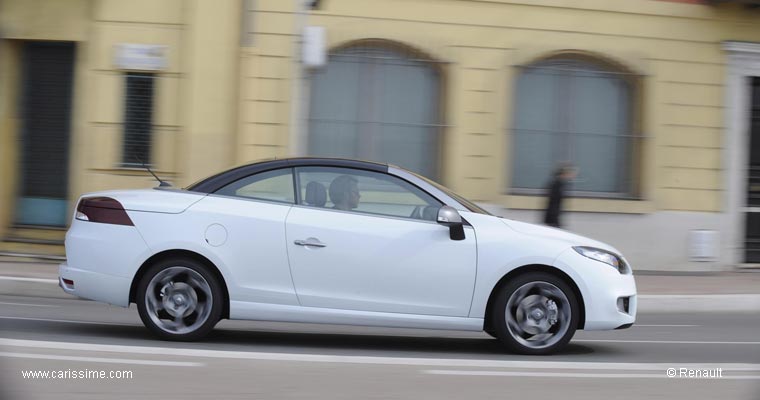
652 100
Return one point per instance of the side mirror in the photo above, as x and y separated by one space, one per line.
448 216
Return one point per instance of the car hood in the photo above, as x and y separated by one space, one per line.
559 235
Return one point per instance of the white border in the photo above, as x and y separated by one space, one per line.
743 61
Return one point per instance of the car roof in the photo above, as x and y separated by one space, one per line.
215 182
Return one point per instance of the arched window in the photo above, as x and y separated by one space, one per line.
578 111
377 103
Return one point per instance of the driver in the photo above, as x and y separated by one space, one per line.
344 193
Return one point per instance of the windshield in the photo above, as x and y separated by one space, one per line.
470 206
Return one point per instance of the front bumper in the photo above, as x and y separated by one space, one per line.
609 297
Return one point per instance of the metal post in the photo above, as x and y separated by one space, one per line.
297 131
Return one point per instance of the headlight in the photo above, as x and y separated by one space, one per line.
603 256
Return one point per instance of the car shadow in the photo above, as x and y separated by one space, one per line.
423 343
371 344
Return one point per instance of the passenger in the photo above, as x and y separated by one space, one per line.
344 193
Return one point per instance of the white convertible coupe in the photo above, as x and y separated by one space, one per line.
336 241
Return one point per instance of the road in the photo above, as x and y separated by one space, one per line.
257 360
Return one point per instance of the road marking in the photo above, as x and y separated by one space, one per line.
67 321
659 341
376 360
102 360
664 326
698 295
569 375
29 305
20 279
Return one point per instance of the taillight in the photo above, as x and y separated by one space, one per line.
104 210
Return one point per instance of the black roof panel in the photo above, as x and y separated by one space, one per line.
215 182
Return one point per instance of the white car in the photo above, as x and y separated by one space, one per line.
335 241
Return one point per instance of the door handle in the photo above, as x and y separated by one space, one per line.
310 242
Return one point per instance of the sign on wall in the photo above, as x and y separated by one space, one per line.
313 51
143 57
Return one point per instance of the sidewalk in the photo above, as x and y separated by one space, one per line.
698 292
657 291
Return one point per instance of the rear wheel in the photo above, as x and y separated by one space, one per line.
535 313
179 299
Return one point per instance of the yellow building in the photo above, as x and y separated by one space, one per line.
652 100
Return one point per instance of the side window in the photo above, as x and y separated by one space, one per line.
274 185
364 191
139 91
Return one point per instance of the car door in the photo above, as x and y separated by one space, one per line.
244 225
368 241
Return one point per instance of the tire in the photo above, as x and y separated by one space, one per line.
535 313
179 299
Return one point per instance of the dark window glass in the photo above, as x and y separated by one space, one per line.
377 104
573 111
138 118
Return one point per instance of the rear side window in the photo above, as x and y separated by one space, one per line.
274 185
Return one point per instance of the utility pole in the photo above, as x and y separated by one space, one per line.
298 134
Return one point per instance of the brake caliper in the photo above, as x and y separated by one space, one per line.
551 311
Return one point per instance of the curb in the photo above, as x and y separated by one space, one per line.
647 303
33 287
663 303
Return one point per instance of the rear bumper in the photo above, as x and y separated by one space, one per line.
101 260
94 286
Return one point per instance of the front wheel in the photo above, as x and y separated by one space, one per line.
535 313
178 299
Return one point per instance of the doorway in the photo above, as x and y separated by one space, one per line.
752 238
47 71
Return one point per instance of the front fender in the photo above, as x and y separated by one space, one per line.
501 250
485 286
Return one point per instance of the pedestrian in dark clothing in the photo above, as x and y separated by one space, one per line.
562 175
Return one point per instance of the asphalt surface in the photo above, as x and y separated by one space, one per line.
258 360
